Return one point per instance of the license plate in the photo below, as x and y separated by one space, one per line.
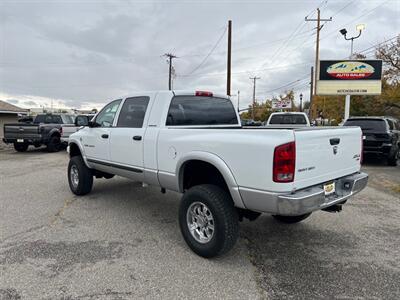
20 140
329 188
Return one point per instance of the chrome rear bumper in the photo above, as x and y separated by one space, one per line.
306 200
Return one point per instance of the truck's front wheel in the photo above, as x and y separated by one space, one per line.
80 177
291 219
208 220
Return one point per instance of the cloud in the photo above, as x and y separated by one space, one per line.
80 54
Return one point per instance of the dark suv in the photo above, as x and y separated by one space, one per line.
381 136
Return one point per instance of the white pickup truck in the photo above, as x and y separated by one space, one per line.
292 119
192 143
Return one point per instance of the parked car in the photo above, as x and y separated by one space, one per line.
381 136
46 129
69 129
193 143
250 122
288 119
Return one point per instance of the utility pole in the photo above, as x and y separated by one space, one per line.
319 27
254 94
229 58
170 57
311 92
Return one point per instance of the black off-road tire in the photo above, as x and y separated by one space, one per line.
54 144
291 219
21 147
225 219
393 158
85 176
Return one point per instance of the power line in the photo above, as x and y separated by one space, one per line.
287 85
208 55
245 72
373 47
343 8
300 26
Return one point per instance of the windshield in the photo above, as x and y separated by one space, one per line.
288 119
368 124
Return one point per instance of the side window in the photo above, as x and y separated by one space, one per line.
57 119
39 119
132 112
48 119
198 110
106 116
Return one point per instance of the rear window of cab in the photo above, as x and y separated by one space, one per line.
200 110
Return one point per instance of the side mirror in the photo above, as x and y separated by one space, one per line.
81 121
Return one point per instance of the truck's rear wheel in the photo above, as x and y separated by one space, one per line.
80 177
208 220
291 219
20 147
54 144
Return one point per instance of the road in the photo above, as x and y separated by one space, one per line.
122 241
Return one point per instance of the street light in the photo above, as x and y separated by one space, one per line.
359 28
301 102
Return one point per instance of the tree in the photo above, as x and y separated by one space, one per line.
390 54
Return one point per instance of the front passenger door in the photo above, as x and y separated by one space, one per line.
97 140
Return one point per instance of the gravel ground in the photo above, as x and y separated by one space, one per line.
122 241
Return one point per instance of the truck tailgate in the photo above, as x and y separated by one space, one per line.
21 130
325 154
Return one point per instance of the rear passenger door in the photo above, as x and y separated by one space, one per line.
126 138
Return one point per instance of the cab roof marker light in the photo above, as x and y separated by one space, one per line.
204 94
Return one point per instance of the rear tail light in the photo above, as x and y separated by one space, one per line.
204 94
284 162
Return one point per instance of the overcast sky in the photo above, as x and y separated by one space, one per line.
86 53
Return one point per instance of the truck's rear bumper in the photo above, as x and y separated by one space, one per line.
305 200
24 140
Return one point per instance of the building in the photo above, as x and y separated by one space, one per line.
9 114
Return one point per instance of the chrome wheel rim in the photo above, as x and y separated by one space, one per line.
200 222
74 176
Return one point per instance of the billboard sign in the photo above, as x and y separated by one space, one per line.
281 104
350 77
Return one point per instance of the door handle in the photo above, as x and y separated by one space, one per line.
137 138
104 136
334 141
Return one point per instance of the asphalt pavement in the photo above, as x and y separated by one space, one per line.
122 241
